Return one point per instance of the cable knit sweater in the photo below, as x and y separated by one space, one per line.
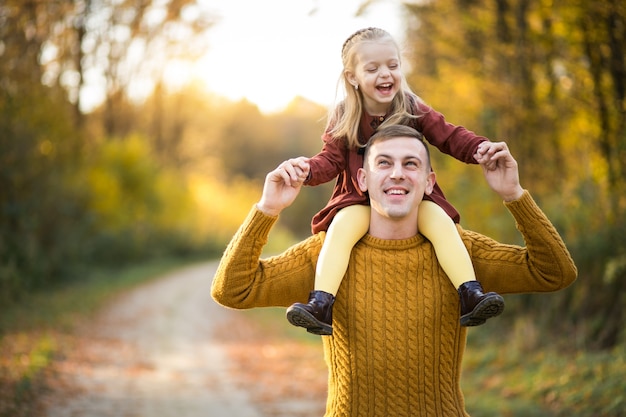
397 346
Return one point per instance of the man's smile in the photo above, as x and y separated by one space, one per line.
396 191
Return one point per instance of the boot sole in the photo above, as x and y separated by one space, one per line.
486 309
302 318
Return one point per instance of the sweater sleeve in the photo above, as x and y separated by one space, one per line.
329 162
543 265
452 140
244 280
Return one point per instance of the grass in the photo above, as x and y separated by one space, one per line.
505 378
35 330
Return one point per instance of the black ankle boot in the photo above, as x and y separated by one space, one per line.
477 307
316 316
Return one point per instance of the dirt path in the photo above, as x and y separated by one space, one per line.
161 351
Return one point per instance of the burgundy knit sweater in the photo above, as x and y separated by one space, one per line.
337 161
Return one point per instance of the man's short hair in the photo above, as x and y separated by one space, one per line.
396 131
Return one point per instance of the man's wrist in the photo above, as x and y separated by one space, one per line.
513 195
267 210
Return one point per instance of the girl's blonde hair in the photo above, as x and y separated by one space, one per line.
345 117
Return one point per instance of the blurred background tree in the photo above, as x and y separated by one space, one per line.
549 79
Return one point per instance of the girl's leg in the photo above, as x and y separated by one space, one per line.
435 224
476 306
348 226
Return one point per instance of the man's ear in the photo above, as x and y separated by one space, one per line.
360 177
430 183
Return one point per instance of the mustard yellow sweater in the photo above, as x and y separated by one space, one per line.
397 346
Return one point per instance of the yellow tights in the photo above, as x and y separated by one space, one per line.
351 223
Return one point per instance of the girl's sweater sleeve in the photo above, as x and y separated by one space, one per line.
244 280
452 140
329 162
543 265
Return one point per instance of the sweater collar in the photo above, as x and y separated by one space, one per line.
399 244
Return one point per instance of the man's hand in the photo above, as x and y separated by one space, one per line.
500 169
282 185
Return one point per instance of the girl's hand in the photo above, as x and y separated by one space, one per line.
295 171
486 155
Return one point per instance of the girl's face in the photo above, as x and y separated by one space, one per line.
378 75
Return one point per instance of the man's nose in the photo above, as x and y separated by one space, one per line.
397 172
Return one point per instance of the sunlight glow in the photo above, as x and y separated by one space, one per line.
296 52
266 58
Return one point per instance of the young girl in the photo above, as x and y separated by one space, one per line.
377 94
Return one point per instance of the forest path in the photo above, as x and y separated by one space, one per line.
153 352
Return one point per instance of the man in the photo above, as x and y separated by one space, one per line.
397 344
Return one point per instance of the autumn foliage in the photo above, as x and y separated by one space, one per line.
175 172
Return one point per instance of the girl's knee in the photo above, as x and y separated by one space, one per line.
350 219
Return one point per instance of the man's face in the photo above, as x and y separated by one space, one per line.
397 175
